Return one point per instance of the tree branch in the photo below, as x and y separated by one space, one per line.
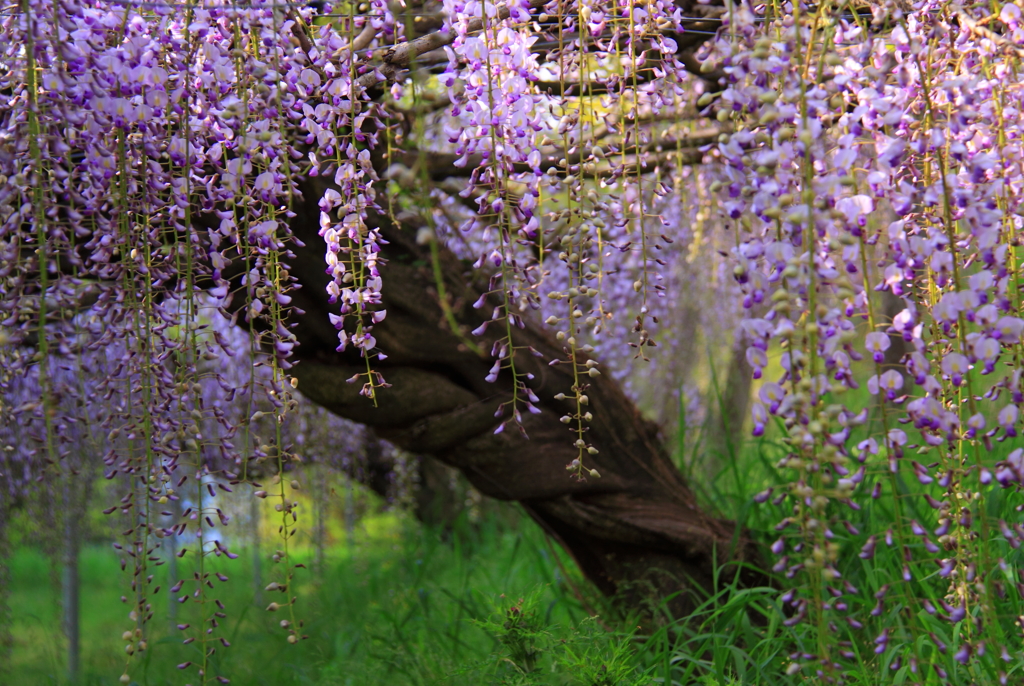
441 166
402 55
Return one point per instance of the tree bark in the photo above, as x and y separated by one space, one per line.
634 530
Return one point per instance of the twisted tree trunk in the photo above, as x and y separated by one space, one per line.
634 530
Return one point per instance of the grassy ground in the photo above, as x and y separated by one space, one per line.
400 607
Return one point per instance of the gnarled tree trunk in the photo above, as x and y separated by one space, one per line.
633 530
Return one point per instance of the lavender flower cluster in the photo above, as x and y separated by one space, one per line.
870 154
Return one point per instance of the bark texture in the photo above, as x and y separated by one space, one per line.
636 530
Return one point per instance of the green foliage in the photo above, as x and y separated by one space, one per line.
737 635
402 606
533 652
495 604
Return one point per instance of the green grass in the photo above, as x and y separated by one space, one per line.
407 606
401 607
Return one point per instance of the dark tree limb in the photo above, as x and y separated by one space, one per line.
440 166
637 526
390 62
635 531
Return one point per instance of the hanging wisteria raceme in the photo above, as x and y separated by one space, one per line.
494 122
881 153
142 166
342 129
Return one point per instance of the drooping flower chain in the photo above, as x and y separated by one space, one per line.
838 125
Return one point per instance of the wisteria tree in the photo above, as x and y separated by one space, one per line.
447 221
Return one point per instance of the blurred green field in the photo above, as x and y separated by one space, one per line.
400 606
